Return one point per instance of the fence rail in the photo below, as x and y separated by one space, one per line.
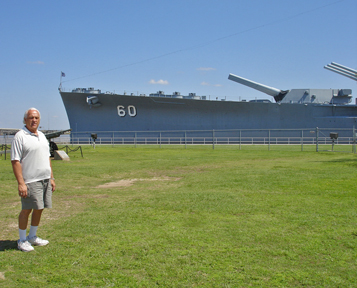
312 136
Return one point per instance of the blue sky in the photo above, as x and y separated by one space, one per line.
142 46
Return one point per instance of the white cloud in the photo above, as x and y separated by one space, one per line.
160 82
36 62
208 84
206 69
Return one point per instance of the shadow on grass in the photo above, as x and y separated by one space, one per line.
351 162
8 245
344 160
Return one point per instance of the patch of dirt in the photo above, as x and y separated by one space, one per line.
120 183
129 182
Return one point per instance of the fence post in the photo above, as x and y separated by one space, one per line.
213 139
160 139
185 140
354 141
269 140
302 140
317 139
240 139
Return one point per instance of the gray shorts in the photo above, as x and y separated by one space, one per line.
39 195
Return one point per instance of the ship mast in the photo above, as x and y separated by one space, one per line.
60 85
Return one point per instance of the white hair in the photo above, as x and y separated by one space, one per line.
27 113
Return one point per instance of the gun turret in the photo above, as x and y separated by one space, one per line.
301 96
276 93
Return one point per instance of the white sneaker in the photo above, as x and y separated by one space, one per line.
37 241
24 246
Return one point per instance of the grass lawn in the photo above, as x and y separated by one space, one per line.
196 217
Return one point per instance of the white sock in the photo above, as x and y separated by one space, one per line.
22 234
33 230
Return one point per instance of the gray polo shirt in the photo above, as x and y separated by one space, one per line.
33 152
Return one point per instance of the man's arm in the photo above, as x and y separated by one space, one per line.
53 183
16 167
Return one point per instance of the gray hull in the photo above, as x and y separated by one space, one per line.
116 112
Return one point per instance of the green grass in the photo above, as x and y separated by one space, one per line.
196 217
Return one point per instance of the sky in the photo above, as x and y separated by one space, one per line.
143 46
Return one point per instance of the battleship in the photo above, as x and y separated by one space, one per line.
90 110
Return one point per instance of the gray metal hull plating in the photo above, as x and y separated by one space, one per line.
144 113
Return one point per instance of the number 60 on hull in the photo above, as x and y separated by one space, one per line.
130 110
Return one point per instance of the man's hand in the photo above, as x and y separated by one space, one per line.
53 184
22 190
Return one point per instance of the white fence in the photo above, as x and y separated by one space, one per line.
313 136
246 136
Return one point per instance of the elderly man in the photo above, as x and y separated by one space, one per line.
30 158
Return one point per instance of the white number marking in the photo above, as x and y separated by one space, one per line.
122 111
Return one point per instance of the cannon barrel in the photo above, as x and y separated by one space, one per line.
342 70
276 93
56 134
